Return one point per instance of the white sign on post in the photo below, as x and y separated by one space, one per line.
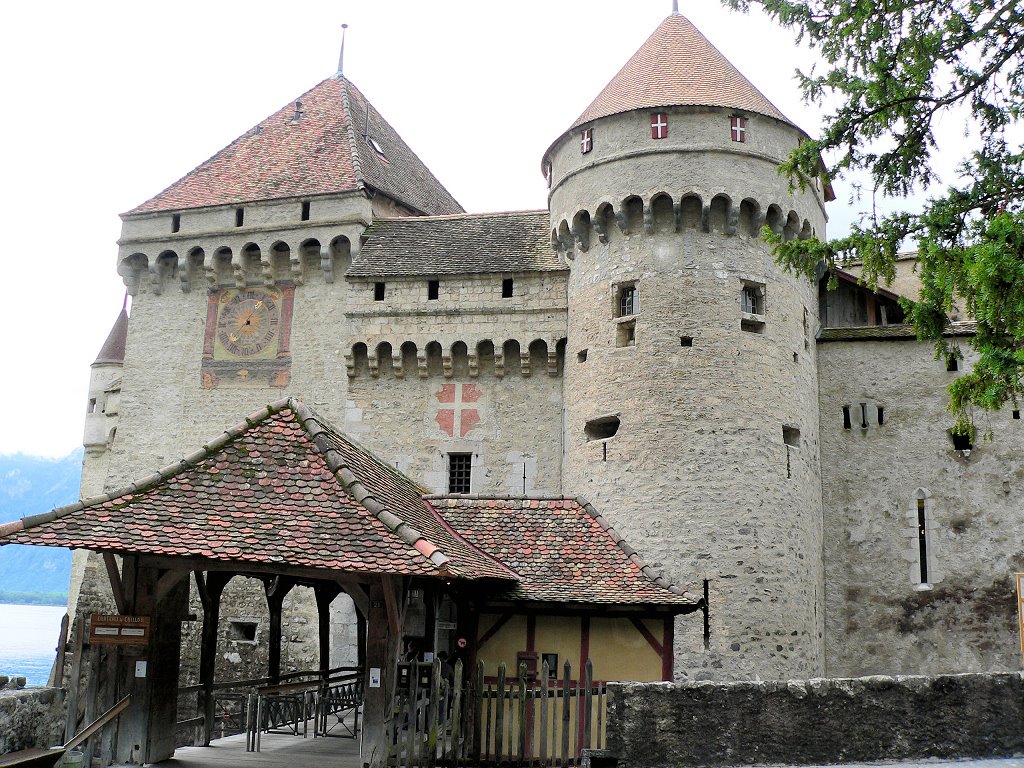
140 668
375 677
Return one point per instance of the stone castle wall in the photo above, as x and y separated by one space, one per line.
880 617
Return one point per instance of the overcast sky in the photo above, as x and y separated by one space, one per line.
109 102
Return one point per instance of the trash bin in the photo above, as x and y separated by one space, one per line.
73 758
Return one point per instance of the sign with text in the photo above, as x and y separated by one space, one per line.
107 629
1020 608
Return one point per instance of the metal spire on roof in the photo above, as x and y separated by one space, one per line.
675 7
341 57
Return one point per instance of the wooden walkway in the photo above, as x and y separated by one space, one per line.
277 750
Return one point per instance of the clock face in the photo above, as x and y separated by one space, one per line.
247 323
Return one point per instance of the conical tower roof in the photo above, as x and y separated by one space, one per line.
678 66
112 350
328 140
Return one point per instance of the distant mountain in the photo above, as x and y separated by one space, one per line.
30 485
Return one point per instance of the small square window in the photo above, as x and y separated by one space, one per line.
506 288
581 357
625 334
586 140
738 128
686 341
659 125
750 300
433 289
628 302
378 291
241 631
176 222
304 213
460 472
239 216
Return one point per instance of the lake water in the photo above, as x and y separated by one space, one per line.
28 640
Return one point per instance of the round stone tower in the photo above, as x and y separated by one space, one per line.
691 391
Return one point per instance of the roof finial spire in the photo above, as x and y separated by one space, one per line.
341 57
675 7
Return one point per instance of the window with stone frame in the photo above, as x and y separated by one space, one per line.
752 306
627 301
460 472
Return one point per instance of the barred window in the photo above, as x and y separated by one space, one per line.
460 472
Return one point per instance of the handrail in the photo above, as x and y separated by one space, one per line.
96 725
259 681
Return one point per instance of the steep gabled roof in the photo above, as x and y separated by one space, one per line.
326 150
112 350
678 66
283 488
563 551
462 244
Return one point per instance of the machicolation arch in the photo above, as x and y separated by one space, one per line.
513 357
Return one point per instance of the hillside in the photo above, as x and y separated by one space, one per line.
30 485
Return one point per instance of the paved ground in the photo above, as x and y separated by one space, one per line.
276 751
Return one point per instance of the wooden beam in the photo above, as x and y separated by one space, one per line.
204 595
114 574
276 590
358 595
325 594
214 588
300 574
167 582
391 603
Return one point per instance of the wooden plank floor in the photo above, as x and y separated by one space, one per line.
277 750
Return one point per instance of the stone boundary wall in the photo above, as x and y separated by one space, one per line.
817 721
33 717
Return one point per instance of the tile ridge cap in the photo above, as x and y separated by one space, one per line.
346 105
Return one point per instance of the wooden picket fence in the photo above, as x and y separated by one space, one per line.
503 721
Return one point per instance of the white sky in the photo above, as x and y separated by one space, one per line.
109 102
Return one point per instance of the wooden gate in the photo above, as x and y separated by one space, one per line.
440 719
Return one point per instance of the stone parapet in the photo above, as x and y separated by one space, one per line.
32 717
816 721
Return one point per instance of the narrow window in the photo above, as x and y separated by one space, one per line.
175 222
750 301
961 442
847 423
659 125
586 140
601 428
239 216
506 288
686 341
628 301
460 472
1016 415
796 358
305 211
433 288
952 364
378 291
707 616
881 415
92 405
922 540
581 356
738 128
548 174
863 415
752 307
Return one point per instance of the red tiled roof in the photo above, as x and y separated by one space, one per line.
678 66
562 549
322 152
284 489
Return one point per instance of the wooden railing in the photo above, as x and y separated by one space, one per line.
500 720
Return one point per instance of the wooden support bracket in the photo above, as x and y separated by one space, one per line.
116 586
391 603
167 582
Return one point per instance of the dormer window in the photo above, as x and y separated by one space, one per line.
659 125
586 140
738 128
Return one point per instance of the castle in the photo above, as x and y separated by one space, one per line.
778 449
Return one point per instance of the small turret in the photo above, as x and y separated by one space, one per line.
105 388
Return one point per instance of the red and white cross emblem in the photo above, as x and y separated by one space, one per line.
458 415
659 125
586 140
739 128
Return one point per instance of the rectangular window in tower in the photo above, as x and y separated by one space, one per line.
433 289
239 216
738 128
506 288
847 421
378 291
628 301
460 472
952 364
304 212
586 140
659 125
175 222
922 540
752 306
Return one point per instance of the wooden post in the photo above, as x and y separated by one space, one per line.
71 723
57 673
381 658
325 594
276 589
209 594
